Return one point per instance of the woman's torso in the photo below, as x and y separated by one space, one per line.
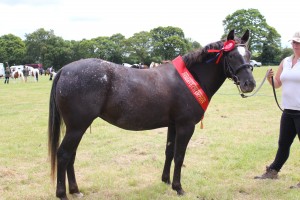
290 79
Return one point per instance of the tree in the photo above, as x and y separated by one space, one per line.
286 52
119 50
12 49
271 53
76 52
168 42
194 45
104 48
36 44
58 53
251 19
86 49
46 48
139 48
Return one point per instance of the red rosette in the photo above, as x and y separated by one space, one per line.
228 45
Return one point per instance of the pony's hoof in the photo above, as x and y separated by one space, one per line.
64 198
78 195
180 192
295 186
166 181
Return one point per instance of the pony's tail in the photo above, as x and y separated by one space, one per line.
54 127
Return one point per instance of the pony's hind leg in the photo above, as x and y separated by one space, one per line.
73 187
65 161
169 153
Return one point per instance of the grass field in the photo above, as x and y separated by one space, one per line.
238 140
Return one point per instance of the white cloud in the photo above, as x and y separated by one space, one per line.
75 20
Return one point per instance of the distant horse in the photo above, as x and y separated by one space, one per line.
52 75
154 64
33 72
126 65
139 66
90 88
47 71
17 74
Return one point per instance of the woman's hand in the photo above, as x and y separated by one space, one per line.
270 73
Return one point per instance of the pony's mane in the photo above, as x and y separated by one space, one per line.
201 55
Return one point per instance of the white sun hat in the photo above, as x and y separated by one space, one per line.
296 37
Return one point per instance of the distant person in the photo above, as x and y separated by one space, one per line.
41 71
7 75
52 71
37 76
25 73
287 76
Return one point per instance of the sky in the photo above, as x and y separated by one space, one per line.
86 19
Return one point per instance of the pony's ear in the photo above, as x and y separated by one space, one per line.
230 35
245 37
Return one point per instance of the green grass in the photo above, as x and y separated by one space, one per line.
238 140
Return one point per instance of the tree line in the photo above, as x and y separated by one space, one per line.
161 43
42 46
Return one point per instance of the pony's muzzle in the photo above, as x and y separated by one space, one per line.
248 86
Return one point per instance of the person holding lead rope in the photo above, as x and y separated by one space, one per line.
288 78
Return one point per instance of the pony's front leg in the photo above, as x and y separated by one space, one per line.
169 153
183 136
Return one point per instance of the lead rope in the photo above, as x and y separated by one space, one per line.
273 87
261 84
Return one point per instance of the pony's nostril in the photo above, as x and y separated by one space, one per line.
250 84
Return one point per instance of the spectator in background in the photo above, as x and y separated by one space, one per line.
7 75
37 76
52 71
25 73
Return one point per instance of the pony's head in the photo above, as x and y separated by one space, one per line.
236 62
235 57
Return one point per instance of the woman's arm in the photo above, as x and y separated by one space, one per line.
277 82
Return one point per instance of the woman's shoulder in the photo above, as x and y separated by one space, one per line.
287 60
